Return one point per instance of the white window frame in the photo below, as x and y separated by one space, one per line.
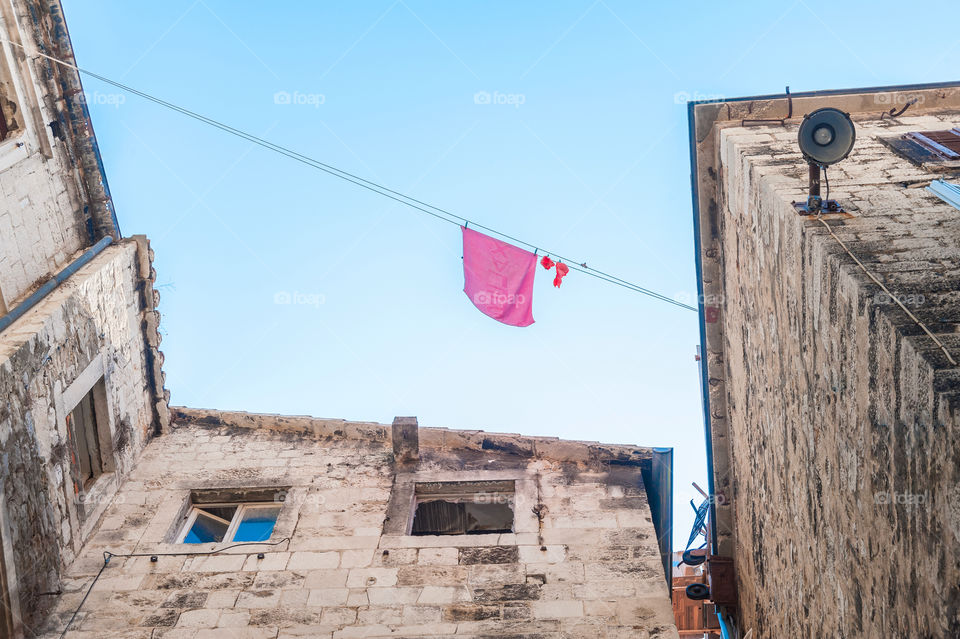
242 509
34 134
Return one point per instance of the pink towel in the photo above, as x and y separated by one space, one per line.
498 278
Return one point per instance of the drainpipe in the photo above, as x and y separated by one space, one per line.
704 373
724 631
48 286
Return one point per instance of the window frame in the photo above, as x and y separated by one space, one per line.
402 503
459 500
90 385
13 90
23 79
458 492
242 509
84 430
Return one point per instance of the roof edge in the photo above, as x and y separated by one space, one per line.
549 448
835 92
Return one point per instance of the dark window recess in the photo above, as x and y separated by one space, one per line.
443 517
82 424
922 147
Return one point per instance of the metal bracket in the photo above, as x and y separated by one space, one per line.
815 204
811 208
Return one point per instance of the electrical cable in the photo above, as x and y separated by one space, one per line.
437 212
87 594
107 556
887 291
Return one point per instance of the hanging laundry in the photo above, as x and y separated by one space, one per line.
498 278
562 269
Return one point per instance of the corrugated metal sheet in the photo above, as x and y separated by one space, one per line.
946 191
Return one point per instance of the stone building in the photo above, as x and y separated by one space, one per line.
120 518
378 531
81 390
832 429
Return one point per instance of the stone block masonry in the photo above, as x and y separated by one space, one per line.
53 196
843 434
95 321
583 560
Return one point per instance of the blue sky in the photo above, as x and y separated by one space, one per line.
582 149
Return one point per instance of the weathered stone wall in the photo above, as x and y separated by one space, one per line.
48 210
99 314
41 222
590 567
844 436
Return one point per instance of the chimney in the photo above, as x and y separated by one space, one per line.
406 440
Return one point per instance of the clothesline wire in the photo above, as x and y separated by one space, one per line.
414 203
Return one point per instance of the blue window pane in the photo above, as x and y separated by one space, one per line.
257 524
206 529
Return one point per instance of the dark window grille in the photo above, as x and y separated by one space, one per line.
458 518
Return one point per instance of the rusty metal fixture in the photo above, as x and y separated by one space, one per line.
764 121
894 113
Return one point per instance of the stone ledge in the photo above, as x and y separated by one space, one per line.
443 439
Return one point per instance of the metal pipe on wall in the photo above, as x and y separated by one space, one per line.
20 309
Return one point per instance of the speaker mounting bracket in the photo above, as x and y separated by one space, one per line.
826 206
815 205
